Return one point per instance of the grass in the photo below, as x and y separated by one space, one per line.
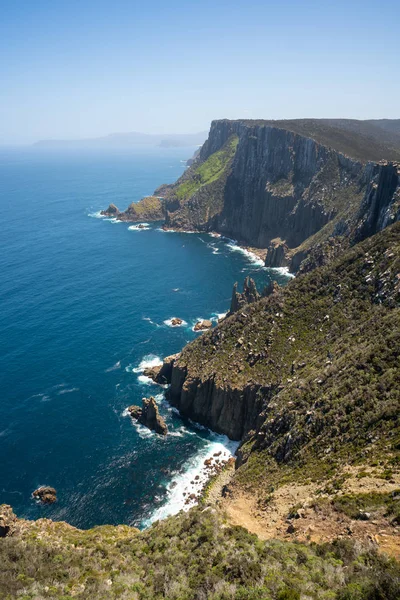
192 556
209 171
323 354
150 208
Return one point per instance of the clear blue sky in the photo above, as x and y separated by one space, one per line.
74 69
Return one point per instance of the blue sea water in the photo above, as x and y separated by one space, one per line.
84 306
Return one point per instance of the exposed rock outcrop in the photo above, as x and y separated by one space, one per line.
46 494
111 211
162 373
277 254
148 209
149 416
249 294
273 371
8 520
202 325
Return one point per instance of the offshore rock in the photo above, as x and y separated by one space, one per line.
149 416
47 495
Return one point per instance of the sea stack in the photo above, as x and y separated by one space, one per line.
149 416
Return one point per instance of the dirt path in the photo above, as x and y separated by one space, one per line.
314 521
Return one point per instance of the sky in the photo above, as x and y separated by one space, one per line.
77 69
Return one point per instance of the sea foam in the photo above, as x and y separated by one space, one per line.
139 227
184 483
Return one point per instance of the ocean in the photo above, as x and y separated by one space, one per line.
86 304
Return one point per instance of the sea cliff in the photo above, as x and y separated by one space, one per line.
281 190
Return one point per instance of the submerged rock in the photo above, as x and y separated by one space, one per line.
149 416
46 494
201 325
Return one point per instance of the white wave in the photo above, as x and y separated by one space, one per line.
147 362
218 316
67 391
283 271
143 432
144 380
200 319
252 257
169 322
139 227
214 235
97 215
114 220
174 230
116 366
150 321
185 483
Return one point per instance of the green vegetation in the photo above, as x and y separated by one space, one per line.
324 354
150 208
208 171
356 505
192 556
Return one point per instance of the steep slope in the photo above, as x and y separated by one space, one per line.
191 556
288 186
310 375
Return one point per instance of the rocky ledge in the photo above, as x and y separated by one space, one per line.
202 325
147 209
149 416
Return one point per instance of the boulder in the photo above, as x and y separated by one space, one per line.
176 321
46 494
201 325
149 416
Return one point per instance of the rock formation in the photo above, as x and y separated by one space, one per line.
202 325
255 374
47 495
176 322
162 373
111 211
250 294
149 416
147 209
276 185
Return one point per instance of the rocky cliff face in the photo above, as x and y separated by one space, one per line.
278 189
302 370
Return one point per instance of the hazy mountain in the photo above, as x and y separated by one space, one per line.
125 140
